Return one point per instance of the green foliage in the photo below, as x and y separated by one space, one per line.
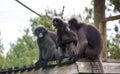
87 15
114 45
116 4
2 60
23 52
1 46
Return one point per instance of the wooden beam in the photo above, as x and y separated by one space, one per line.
85 67
76 68
111 18
80 66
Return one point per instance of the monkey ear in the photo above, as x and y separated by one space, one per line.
45 31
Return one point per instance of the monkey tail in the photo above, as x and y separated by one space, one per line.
100 65
95 65
91 67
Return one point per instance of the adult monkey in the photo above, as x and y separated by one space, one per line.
90 40
46 41
67 39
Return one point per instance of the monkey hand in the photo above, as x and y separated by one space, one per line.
67 42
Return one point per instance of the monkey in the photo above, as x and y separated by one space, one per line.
47 44
67 40
90 42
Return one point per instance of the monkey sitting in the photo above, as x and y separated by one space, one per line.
90 40
67 40
46 41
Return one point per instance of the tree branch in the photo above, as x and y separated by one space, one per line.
111 18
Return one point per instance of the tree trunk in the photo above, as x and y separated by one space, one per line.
99 15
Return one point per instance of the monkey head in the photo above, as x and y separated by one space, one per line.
73 23
40 32
57 23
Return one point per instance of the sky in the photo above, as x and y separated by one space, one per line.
14 17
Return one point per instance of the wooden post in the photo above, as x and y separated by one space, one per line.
99 15
102 29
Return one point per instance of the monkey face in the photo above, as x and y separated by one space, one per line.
57 23
73 23
40 32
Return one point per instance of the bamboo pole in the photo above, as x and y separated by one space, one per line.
28 8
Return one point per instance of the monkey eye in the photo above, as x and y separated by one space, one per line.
42 30
54 23
38 31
